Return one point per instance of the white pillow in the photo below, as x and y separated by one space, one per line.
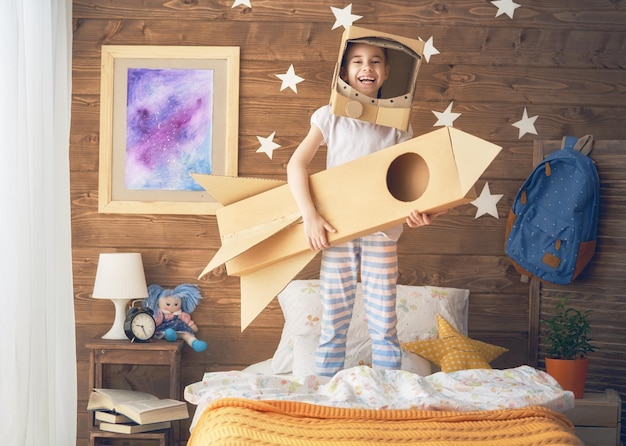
417 309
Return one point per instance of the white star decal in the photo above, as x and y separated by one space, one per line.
526 124
344 17
290 79
429 48
267 145
505 7
241 2
446 118
486 203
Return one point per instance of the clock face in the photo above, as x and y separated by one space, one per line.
142 326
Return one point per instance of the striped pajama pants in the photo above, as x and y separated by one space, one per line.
377 257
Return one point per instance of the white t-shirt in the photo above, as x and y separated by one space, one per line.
347 139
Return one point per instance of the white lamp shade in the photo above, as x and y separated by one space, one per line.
120 275
121 278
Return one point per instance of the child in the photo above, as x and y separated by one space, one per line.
364 67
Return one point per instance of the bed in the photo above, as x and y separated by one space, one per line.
444 394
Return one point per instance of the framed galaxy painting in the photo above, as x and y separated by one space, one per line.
166 112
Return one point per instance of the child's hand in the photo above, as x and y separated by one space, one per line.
315 228
417 219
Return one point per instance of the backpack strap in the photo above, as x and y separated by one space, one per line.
568 142
583 144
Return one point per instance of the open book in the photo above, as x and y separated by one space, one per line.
140 407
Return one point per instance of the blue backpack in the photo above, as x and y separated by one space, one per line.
553 223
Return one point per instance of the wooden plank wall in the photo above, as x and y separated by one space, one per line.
562 60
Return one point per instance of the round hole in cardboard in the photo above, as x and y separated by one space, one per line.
407 177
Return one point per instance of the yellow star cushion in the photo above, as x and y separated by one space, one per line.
452 351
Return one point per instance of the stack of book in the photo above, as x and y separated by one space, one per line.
130 412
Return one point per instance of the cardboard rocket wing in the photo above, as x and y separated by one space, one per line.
262 236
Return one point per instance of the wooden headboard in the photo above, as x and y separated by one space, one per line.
602 285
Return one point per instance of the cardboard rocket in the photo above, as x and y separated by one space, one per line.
260 226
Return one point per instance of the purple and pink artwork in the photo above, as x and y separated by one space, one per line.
169 117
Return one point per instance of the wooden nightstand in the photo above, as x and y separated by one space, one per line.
155 353
597 418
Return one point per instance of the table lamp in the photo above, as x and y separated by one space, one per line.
120 277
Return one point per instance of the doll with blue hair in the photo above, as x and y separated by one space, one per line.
172 312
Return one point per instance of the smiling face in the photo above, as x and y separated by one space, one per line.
365 68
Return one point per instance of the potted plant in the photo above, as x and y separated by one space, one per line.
568 343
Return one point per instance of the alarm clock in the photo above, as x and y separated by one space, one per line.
139 325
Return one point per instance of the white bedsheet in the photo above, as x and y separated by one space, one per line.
363 387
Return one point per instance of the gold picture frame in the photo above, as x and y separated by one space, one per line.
143 163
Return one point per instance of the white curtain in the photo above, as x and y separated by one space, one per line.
38 354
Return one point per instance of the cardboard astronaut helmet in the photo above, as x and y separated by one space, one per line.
393 106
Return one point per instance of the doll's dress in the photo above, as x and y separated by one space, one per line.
175 324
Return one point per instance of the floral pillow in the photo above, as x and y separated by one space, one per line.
417 309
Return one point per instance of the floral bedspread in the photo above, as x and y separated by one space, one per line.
363 387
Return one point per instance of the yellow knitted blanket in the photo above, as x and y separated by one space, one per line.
234 421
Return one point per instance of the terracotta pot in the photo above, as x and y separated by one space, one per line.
571 374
